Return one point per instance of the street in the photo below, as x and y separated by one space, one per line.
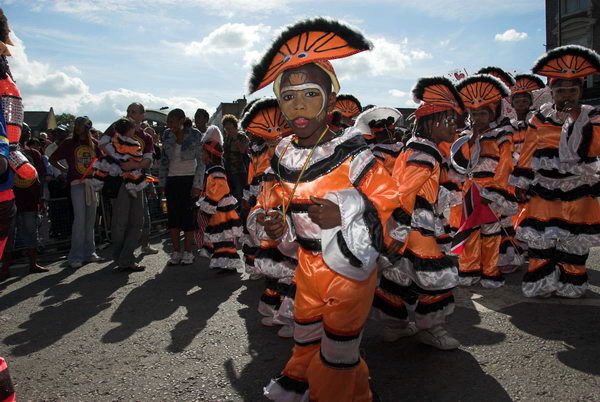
185 333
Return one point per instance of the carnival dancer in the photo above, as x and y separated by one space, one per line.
349 108
265 121
381 123
334 198
421 276
119 148
483 158
557 174
224 226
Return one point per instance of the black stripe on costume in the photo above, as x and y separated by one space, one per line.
523 172
271 283
349 148
407 293
273 253
577 193
422 203
271 300
428 264
402 217
426 149
450 186
291 385
573 228
308 343
470 274
483 175
545 120
223 244
373 223
211 202
215 169
496 278
227 208
343 366
226 254
460 159
557 256
399 312
419 162
211 229
355 262
503 193
492 157
364 172
506 244
341 338
291 293
577 280
309 244
495 234
318 320
428 308
545 270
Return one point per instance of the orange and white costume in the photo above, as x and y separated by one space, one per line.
487 163
224 225
558 168
336 274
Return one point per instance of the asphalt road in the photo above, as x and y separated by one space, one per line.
185 333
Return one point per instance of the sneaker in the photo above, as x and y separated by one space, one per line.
286 331
149 250
95 258
255 277
438 337
204 253
393 334
175 258
187 258
267 322
75 264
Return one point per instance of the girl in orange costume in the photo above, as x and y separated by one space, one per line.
421 275
557 174
483 157
264 120
224 225
335 197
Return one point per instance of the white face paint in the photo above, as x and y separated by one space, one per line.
307 92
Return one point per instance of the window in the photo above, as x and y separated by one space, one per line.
573 6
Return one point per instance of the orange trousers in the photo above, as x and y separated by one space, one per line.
480 254
330 312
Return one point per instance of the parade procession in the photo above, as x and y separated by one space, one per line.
323 246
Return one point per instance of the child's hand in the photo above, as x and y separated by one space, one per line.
325 213
274 225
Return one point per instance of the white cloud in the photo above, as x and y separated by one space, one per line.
386 58
444 42
398 93
403 95
228 38
510 35
43 87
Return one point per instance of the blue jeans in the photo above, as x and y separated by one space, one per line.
83 245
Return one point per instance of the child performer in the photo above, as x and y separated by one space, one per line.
421 275
265 121
557 174
119 148
483 158
224 226
381 122
335 198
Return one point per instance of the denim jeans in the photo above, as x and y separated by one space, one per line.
83 245
126 226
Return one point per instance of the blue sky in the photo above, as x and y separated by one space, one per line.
95 56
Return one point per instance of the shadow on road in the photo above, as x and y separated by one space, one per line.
269 353
67 307
161 296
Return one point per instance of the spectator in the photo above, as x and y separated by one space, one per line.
209 133
235 155
181 177
128 212
79 152
28 198
58 195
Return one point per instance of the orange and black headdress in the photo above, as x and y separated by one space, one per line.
348 105
314 40
264 119
436 94
482 90
499 73
568 62
526 83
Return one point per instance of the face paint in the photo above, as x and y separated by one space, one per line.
301 103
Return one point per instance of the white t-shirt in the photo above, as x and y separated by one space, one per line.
178 167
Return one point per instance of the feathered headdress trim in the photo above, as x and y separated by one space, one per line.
264 119
568 62
348 105
499 73
526 83
438 94
307 41
481 90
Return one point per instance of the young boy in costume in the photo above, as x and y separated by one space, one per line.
483 158
421 275
334 198
557 174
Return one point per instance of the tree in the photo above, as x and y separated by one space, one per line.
65 118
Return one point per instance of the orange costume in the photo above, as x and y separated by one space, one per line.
558 168
224 226
336 273
485 161
421 275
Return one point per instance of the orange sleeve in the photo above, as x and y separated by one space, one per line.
410 178
522 175
594 144
505 165
216 188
